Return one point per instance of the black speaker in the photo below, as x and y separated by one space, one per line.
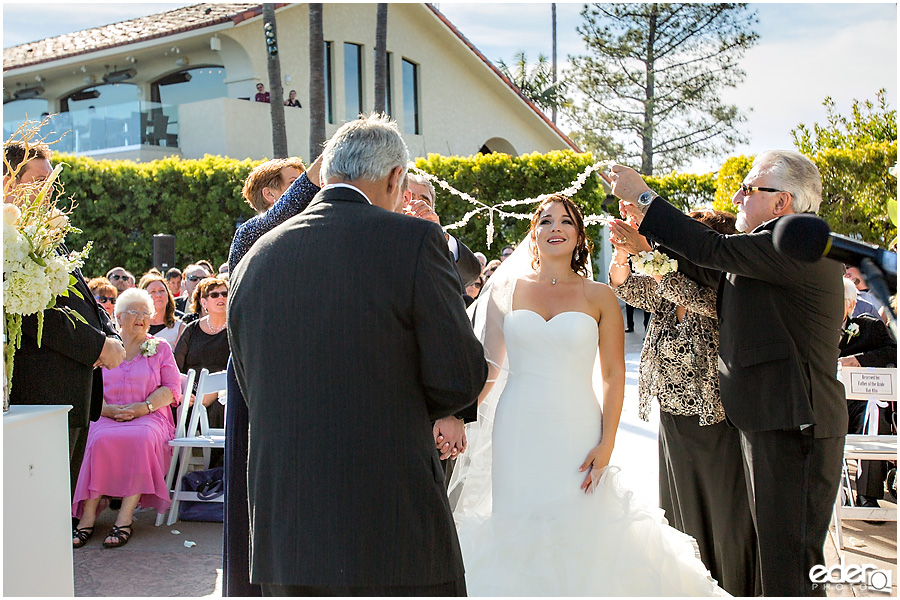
163 252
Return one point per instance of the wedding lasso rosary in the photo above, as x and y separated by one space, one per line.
497 209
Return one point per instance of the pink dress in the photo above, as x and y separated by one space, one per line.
132 457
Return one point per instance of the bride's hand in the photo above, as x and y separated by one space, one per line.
596 460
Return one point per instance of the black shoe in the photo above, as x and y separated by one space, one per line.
868 502
629 330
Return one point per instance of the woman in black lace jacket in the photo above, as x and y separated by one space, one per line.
701 473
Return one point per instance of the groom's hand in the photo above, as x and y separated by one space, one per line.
450 437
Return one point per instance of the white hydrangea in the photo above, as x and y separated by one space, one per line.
26 290
15 249
11 214
58 274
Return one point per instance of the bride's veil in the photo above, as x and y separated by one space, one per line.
470 484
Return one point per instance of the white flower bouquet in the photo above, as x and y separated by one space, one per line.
35 270
653 263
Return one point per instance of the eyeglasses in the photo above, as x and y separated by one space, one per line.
196 277
138 313
118 277
217 294
746 190
105 299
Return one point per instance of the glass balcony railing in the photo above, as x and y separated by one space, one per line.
106 128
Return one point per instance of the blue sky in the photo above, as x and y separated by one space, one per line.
806 51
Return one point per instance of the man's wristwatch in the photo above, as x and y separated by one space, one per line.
647 197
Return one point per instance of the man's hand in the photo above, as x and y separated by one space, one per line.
112 354
626 184
421 210
450 437
849 361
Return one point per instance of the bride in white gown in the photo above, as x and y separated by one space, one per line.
536 505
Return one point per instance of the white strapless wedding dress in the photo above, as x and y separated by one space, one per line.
544 536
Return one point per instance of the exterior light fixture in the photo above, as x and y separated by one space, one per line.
119 76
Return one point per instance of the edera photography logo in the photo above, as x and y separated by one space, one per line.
862 577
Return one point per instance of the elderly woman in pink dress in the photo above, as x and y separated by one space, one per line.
127 453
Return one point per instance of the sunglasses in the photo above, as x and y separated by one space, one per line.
120 277
105 299
196 277
217 294
746 190
138 313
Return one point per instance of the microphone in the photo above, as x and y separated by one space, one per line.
808 238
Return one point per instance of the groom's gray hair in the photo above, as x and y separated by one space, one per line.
365 149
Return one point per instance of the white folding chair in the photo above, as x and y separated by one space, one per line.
197 435
180 421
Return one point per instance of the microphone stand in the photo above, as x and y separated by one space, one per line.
878 286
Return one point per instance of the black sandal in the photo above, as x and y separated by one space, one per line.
120 535
82 535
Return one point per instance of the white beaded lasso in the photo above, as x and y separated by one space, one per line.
498 208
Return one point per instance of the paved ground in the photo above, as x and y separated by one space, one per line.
156 562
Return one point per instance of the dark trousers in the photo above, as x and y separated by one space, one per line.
236 549
629 317
77 446
451 588
702 488
871 473
792 482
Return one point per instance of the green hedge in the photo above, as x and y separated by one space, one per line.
121 204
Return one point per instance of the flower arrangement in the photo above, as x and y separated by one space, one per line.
36 271
148 348
654 263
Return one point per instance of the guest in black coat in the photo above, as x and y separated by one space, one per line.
349 353
867 342
65 368
779 324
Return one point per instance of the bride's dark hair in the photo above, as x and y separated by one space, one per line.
582 253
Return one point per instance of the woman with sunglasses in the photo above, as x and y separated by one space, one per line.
165 323
204 343
104 293
127 453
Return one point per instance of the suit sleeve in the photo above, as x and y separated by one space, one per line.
750 255
79 341
883 347
467 264
452 359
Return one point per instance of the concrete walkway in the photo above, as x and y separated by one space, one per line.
156 562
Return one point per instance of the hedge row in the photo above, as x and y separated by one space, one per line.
121 204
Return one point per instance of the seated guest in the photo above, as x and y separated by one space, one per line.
104 293
204 343
127 453
474 289
193 274
866 342
165 323
268 181
206 265
490 268
223 270
120 278
173 281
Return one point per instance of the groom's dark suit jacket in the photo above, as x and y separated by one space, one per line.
349 337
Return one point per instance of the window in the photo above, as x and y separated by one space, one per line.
388 100
352 80
411 98
329 111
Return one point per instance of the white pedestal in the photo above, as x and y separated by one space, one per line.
37 508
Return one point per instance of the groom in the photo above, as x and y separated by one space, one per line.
349 337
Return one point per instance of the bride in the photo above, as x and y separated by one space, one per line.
536 503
